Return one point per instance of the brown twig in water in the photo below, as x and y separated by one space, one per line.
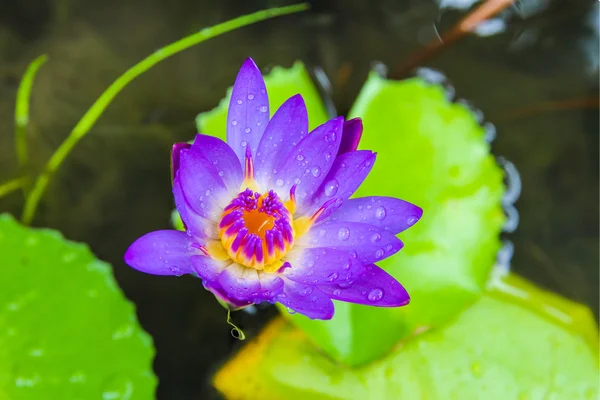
547 106
465 26
343 74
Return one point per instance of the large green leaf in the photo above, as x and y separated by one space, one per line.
66 330
432 153
521 344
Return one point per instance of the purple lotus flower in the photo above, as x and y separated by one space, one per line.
268 215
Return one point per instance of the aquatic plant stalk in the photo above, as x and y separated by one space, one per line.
551 106
22 119
11 186
92 115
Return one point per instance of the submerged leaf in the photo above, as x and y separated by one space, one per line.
66 330
500 348
432 153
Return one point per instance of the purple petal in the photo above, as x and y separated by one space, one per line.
271 285
162 253
247 285
322 266
175 153
284 131
307 300
201 184
347 173
195 224
351 135
309 162
223 159
248 113
388 213
207 268
367 243
239 282
375 288
220 293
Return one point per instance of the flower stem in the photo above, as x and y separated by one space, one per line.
235 331
22 120
94 112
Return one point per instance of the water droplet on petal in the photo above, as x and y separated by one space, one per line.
244 144
332 277
207 193
299 157
279 182
316 172
411 221
343 233
375 295
380 213
379 253
327 156
263 108
234 122
332 187
250 96
337 292
247 130
239 101
375 238
346 284
306 291
322 232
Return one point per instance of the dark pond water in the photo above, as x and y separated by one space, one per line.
537 81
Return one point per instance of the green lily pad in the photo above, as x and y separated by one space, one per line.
432 153
500 348
66 330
